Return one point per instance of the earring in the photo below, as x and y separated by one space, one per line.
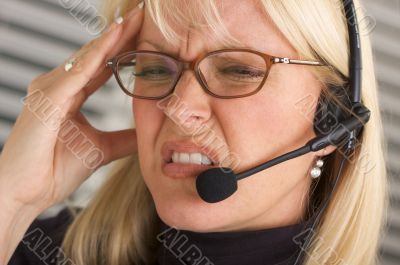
316 170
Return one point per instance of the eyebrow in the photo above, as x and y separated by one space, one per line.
162 48
157 46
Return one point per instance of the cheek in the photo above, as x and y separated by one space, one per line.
147 115
281 104
148 121
270 122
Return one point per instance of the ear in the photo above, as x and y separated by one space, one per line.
326 151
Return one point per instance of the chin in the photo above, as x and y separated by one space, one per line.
191 214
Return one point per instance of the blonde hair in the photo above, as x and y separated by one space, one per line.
119 225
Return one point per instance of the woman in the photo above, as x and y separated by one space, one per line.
221 114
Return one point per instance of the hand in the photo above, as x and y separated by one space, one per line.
39 166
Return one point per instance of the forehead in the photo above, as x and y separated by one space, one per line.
246 21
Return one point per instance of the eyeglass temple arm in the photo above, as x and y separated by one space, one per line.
274 60
111 63
292 61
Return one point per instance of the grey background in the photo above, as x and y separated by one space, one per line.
37 35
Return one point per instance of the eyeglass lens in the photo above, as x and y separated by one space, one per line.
230 73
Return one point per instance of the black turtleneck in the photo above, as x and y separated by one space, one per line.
274 246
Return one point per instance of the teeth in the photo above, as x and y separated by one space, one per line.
175 156
195 158
205 160
184 157
191 158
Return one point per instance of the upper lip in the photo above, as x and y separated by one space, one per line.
184 146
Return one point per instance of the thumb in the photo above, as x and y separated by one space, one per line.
118 144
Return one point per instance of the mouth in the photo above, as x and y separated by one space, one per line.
185 159
191 158
182 170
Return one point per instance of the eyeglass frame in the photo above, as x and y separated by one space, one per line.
194 66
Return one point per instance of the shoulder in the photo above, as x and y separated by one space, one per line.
42 241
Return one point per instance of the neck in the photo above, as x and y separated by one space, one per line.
266 246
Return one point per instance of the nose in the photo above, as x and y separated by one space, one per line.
189 105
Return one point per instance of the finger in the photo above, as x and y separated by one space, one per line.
49 78
90 88
118 144
94 61
85 67
81 119
131 27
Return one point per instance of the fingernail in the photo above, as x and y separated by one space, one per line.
134 10
113 26
119 20
141 5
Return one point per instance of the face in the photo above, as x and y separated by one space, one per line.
245 131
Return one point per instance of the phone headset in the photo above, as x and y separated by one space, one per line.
333 125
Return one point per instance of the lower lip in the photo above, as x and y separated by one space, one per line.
181 170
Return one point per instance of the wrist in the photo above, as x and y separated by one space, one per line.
11 202
15 219
17 209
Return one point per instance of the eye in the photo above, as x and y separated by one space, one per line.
242 73
155 73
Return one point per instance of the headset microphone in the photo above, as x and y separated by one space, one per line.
217 184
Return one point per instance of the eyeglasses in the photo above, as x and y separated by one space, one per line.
226 73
